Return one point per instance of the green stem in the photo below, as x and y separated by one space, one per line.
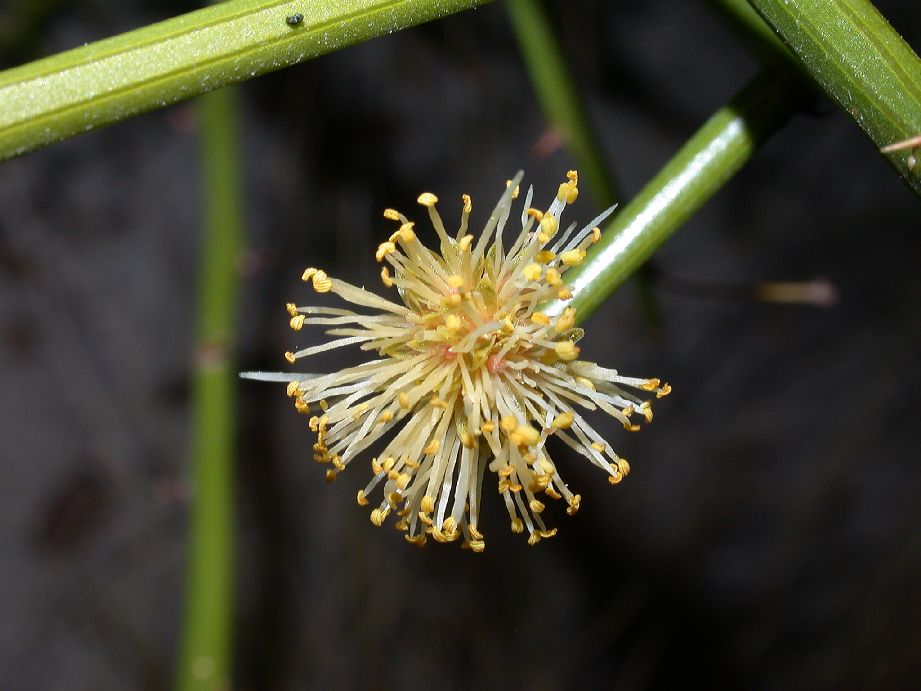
860 61
110 80
725 142
205 655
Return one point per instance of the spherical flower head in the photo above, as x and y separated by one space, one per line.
470 375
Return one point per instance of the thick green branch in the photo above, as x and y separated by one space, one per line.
860 61
110 80
724 143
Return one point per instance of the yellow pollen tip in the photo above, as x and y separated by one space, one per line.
321 282
428 504
573 257
289 356
544 256
427 199
596 234
330 476
574 502
535 213
308 274
615 478
455 282
487 427
297 322
563 192
573 177
553 277
508 424
465 243
517 526
432 447
563 420
405 233
566 350
564 294
403 400
599 447
292 308
293 389
532 272
383 250
650 384
391 214
536 506
548 226
361 499
524 435
540 318
566 320
516 190
468 203
385 417
385 277
665 390
453 323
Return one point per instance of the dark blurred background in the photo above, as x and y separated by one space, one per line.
768 536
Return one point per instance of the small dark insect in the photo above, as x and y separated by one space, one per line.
294 19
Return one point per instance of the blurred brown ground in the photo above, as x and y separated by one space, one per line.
767 537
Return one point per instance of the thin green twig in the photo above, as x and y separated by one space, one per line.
110 80
725 142
205 655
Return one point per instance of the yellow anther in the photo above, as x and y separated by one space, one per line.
436 402
565 293
427 199
553 277
453 300
508 324
533 539
540 318
650 384
508 424
292 308
468 203
516 191
465 243
289 356
574 502
599 447
563 192
535 214
385 277
623 466
615 477
323 404
338 463
403 480
631 427
427 504
536 506
453 323
308 274
548 226
566 350
388 463
297 323
477 545
391 214
393 475
330 476
587 383
359 410
573 257
487 427
505 471
547 467
301 406
665 390
566 320
362 500
552 493
376 466
403 400
547 533
405 233
383 250
401 524
572 193
532 272
321 282
378 516
573 177
517 525
524 435
466 439
293 389
432 447
646 410
563 420
544 256
455 282
596 234
449 526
